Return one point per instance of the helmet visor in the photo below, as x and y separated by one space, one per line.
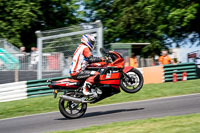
92 43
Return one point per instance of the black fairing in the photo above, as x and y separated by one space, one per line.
107 91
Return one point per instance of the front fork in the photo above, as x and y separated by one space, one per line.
125 70
129 78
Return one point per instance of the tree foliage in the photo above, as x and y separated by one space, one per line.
19 19
151 21
16 15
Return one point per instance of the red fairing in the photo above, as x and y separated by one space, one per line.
68 83
126 69
112 79
119 63
117 54
68 80
110 82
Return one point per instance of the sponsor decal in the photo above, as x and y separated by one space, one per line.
67 84
108 75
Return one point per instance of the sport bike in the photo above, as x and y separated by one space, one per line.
113 76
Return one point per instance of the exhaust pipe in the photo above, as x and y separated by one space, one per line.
78 100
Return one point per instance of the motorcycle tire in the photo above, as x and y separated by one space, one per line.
64 105
128 86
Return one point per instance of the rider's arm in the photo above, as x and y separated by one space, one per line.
87 53
92 59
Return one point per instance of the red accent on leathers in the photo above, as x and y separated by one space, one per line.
91 78
79 63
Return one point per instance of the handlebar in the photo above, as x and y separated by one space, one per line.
105 55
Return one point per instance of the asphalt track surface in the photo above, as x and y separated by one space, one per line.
170 106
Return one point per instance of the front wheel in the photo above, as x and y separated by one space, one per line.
132 84
72 110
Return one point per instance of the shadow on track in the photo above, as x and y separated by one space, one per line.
104 113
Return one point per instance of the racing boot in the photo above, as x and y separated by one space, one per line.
86 89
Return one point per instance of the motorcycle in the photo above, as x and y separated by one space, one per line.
113 76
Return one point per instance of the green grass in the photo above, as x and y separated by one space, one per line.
171 124
48 104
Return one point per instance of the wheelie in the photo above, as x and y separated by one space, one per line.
94 79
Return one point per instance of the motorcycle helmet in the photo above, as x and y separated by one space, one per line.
88 40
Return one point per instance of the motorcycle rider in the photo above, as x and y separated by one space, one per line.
81 58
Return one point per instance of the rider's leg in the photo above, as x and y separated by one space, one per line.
89 82
90 77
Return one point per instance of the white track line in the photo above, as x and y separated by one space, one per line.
153 99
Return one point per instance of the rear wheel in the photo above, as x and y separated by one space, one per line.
72 110
132 84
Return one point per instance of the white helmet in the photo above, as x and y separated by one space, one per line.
88 40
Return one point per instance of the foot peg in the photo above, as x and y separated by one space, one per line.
99 91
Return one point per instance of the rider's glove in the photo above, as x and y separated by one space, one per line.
106 60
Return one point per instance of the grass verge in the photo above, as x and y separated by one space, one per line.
171 124
48 104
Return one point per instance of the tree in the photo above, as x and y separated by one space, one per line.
19 19
53 14
151 21
16 15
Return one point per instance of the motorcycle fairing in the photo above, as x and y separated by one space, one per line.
108 90
126 69
110 78
118 63
66 83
